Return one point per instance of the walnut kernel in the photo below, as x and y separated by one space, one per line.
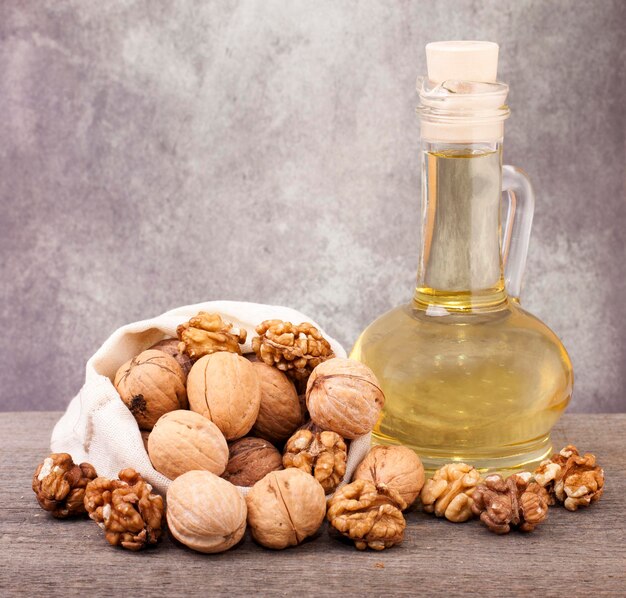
517 502
572 479
207 333
320 453
59 485
293 349
449 492
371 516
130 514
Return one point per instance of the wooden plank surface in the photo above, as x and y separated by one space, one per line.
571 554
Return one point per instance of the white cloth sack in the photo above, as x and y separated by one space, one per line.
98 428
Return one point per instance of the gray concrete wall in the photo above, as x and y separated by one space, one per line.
160 153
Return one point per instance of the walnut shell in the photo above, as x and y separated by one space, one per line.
183 440
151 385
170 346
225 388
396 467
343 395
279 413
285 507
205 512
251 459
145 434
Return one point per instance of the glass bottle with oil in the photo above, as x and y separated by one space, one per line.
468 374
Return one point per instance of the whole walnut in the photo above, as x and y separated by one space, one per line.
151 384
183 440
130 514
343 395
59 485
320 453
369 515
225 388
285 507
396 467
251 459
279 412
170 346
205 512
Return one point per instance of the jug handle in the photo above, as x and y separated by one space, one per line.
520 202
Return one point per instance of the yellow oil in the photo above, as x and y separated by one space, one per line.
485 392
468 375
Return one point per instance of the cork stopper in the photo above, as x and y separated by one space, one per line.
462 61
461 100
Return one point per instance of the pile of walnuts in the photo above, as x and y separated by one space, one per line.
260 441
458 492
277 421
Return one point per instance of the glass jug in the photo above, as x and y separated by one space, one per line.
467 373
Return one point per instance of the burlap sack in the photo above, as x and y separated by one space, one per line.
98 428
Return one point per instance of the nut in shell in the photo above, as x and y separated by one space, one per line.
170 346
225 388
250 460
151 384
183 440
396 467
205 512
344 395
285 507
279 411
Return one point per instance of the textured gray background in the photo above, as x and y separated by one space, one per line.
160 153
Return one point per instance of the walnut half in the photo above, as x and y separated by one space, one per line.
449 492
293 349
517 502
572 479
59 485
207 333
369 515
320 453
126 509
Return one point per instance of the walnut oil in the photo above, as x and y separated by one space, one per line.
468 375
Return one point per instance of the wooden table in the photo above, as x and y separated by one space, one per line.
571 554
